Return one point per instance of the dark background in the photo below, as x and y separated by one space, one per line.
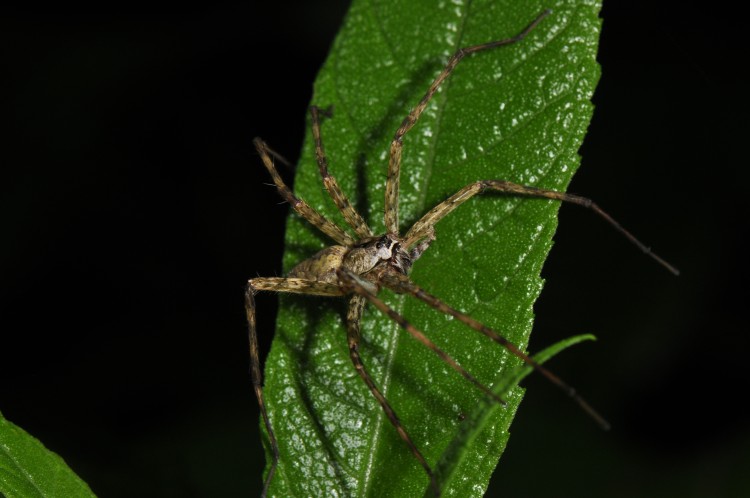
134 209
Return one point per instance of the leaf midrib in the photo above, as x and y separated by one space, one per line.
440 99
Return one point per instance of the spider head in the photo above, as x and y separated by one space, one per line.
398 259
385 247
370 253
389 249
378 252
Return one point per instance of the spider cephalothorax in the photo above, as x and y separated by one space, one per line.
372 258
368 258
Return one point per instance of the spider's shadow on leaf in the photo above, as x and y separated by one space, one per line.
379 134
306 364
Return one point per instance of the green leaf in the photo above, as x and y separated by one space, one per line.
29 470
457 460
517 113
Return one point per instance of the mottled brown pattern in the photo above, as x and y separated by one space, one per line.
302 208
352 217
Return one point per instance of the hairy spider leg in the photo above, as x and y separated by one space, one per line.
353 319
352 217
275 284
354 283
301 207
394 162
425 226
283 160
403 285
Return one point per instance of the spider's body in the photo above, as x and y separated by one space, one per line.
368 258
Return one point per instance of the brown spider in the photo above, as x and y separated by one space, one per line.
360 267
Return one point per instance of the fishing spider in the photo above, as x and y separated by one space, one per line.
359 267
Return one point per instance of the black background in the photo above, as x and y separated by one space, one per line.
134 209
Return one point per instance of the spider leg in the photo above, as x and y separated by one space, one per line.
293 285
353 318
394 162
422 228
352 217
283 160
416 252
302 208
355 284
402 284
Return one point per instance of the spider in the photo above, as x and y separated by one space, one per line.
360 267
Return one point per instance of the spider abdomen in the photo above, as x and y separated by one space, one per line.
322 266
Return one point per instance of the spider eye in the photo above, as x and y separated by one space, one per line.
382 242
